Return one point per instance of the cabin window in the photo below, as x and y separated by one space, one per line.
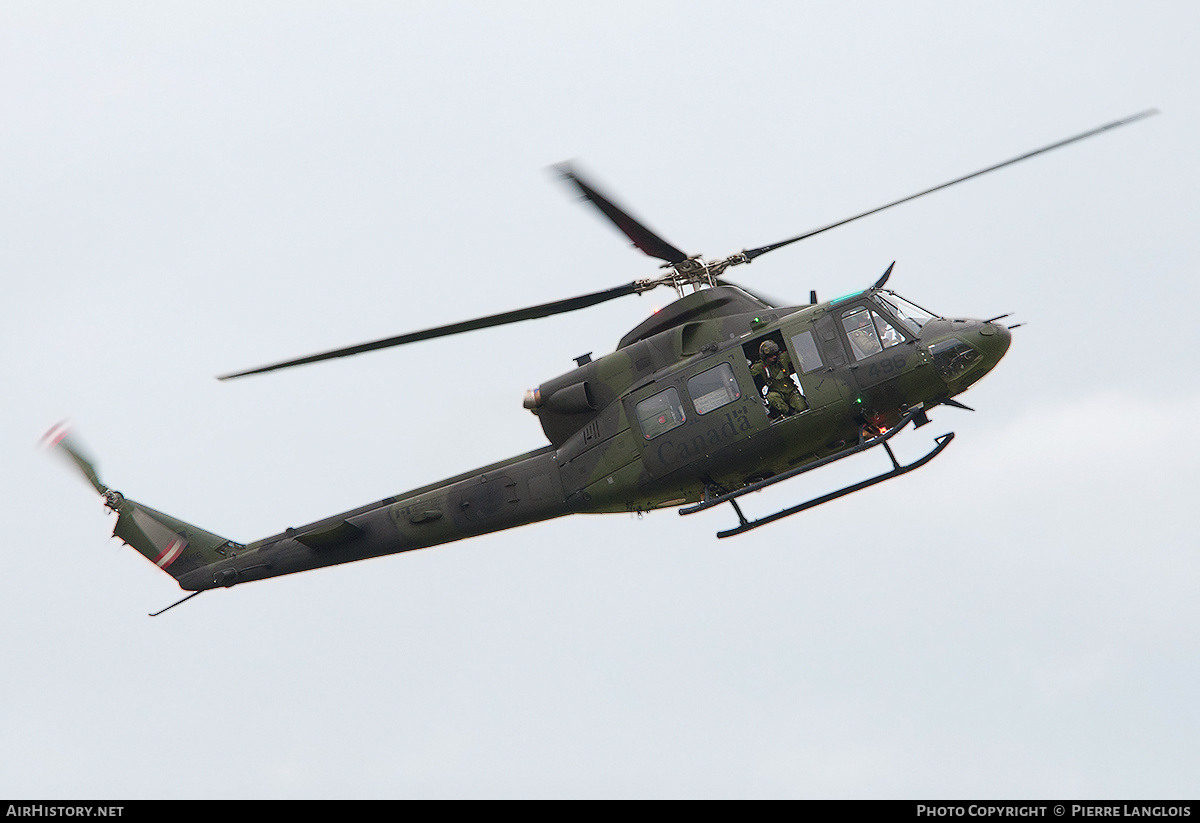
864 341
660 413
713 389
806 349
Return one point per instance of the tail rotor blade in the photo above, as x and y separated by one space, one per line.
57 438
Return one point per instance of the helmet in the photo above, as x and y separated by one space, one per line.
768 349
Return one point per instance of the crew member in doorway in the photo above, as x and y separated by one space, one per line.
774 369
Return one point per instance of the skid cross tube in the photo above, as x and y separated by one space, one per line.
862 446
942 442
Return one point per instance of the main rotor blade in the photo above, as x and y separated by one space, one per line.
531 313
751 254
642 237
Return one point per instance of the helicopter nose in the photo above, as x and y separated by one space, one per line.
974 349
992 340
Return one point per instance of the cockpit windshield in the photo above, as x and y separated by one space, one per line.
910 314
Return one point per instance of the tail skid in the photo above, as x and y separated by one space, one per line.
176 603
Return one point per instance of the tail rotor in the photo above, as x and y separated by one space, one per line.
180 549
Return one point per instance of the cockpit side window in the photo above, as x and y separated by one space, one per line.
860 331
888 336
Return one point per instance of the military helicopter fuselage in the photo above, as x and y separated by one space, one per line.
718 395
671 415
676 411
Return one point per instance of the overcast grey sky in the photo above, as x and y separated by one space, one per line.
193 188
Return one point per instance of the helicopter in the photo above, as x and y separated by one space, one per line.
718 395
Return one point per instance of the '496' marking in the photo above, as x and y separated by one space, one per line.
884 368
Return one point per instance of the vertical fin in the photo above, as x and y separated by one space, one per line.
171 544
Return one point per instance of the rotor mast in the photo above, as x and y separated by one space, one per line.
694 272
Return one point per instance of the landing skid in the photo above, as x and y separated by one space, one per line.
746 525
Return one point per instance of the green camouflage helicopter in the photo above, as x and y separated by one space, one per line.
716 396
